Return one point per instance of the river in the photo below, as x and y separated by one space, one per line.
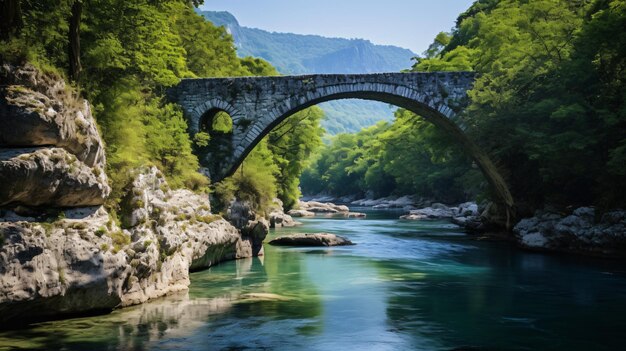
404 286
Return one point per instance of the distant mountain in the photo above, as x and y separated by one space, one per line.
306 54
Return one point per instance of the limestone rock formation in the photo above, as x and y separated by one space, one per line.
61 253
49 176
83 261
38 109
311 239
278 217
311 208
52 153
301 213
581 231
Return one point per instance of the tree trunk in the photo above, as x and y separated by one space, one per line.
10 18
74 40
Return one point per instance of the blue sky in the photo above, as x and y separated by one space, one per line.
410 24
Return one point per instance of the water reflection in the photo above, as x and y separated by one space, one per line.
509 300
238 290
404 286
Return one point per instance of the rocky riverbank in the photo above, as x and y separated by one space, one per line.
583 230
580 231
61 252
405 202
278 217
467 215
311 239
312 208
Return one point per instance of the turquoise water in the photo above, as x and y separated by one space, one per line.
404 286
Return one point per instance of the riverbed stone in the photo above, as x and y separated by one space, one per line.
435 211
301 213
322 207
310 239
579 231
278 218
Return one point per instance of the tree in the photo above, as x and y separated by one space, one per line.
11 21
74 40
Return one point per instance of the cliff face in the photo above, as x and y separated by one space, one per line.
50 150
61 253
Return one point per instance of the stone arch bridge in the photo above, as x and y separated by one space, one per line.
258 104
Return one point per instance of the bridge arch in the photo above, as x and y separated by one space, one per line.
259 104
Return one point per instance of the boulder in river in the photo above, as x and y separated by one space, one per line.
435 211
322 207
581 231
311 239
301 213
278 217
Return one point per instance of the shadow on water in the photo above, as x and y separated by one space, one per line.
504 299
217 301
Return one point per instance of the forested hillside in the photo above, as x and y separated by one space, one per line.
305 54
548 106
122 56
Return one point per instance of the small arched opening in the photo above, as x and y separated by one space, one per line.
214 135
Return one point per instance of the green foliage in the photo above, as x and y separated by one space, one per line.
274 166
131 52
209 49
292 144
258 67
208 219
409 156
101 231
548 105
119 240
201 139
254 182
222 123
552 81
